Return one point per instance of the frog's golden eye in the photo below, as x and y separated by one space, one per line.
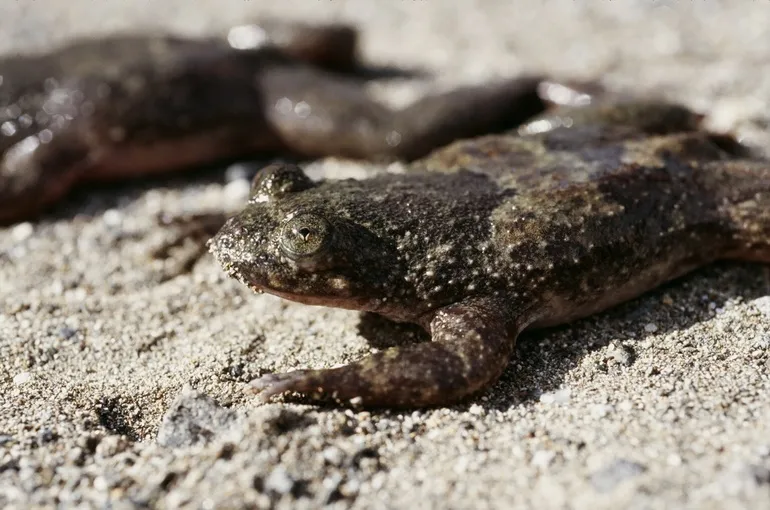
304 235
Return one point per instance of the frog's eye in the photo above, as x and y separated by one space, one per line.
304 235
278 179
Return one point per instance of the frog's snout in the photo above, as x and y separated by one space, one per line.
228 244
239 246
220 245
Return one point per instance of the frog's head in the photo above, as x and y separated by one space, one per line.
304 241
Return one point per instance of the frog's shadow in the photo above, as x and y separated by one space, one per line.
382 333
544 358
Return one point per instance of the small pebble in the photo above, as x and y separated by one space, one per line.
279 481
651 327
22 231
350 488
46 435
476 410
763 305
333 456
622 354
611 475
543 458
21 378
66 332
112 218
561 396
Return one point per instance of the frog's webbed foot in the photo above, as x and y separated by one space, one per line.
186 242
469 350
270 385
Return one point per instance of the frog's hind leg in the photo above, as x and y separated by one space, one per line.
470 348
347 122
439 119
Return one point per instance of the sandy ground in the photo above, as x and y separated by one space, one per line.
120 391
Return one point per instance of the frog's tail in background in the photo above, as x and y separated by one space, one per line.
439 119
746 198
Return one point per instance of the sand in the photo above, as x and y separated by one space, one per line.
120 389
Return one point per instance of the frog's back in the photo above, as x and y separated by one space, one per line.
598 212
579 145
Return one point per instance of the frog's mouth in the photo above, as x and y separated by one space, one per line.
326 290
247 258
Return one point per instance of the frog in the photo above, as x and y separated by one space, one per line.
577 210
130 105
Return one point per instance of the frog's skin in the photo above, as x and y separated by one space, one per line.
490 236
132 105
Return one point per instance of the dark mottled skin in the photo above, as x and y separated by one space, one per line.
490 236
133 105
578 210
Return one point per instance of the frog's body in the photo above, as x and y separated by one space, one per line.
491 236
476 242
132 105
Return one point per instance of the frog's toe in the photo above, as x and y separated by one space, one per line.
270 385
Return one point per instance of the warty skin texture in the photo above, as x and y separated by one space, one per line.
490 236
573 213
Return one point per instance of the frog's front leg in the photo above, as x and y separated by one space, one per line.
469 350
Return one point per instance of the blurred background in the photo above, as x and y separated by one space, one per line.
710 54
